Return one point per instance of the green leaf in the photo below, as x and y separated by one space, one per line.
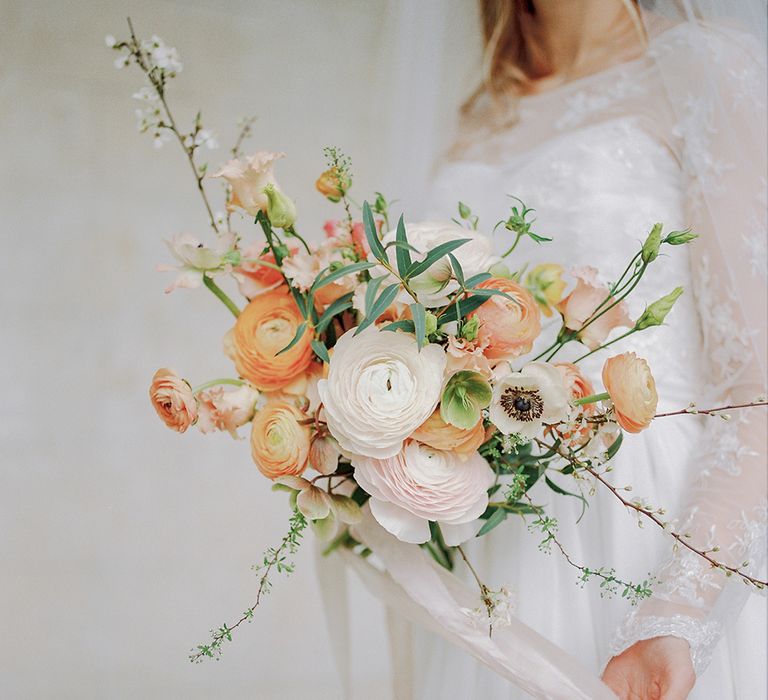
563 492
477 279
454 311
407 326
370 292
340 272
379 306
434 255
497 517
456 268
402 244
419 323
615 445
341 304
372 234
490 293
296 338
402 254
321 351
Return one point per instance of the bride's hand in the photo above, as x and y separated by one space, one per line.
652 669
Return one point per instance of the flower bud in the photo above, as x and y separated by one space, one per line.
464 211
281 211
333 184
680 237
430 323
652 244
470 328
499 269
655 314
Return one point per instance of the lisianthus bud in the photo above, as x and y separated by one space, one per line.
680 237
655 314
280 209
333 184
652 244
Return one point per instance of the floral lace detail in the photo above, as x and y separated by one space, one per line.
749 538
701 636
585 103
723 447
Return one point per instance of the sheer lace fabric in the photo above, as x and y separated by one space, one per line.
602 159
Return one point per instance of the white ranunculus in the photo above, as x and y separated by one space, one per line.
433 286
421 484
523 401
379 389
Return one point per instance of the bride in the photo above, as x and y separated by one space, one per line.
606 118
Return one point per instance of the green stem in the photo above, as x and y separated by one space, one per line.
605 345
514 245
292 232
592 398
259 261
216 382
219 292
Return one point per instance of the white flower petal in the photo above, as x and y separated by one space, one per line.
399 522
455 535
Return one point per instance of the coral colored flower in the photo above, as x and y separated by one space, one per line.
419 484
343 236
578 387
279 441
333 184
380 388
220 409
547 285
173 400
196 259
248 178
629 381
440 435
524 401
581 303
266 326
576 384
466 355
508 327
254 279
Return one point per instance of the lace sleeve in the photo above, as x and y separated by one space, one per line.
717 87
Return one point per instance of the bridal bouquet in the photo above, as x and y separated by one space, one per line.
389 370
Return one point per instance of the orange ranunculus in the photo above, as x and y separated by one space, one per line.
629 381
262 330
508 327
440 435
279 442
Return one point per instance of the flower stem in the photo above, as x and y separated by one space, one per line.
592 398
605 345
216 382
219 292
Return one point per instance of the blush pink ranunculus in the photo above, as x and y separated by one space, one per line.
220 409
581 303
420 484
173 400
629 381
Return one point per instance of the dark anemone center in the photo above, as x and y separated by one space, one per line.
522 404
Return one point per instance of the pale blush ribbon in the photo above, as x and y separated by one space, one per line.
416 589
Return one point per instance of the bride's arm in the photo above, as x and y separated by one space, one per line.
722 124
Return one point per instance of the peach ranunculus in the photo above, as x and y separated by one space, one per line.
248 178
263 329
581 303
173 400
508 327
436 433
628 380
279 440
576 384
252 278
220 409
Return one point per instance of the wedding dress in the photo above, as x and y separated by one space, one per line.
601 159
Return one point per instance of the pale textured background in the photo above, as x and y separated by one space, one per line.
121 543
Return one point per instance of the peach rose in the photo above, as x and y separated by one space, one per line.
629 381
581 303
507 328
440 435
262 330
173 400
279 442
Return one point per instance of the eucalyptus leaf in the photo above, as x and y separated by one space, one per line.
434 255
321 351
459 308
319 283
457 269
407 326
379 306
497 517
419 323
372 235
299 333
341 304
477 279
402 254
371 291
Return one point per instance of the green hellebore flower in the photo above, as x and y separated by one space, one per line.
465 395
